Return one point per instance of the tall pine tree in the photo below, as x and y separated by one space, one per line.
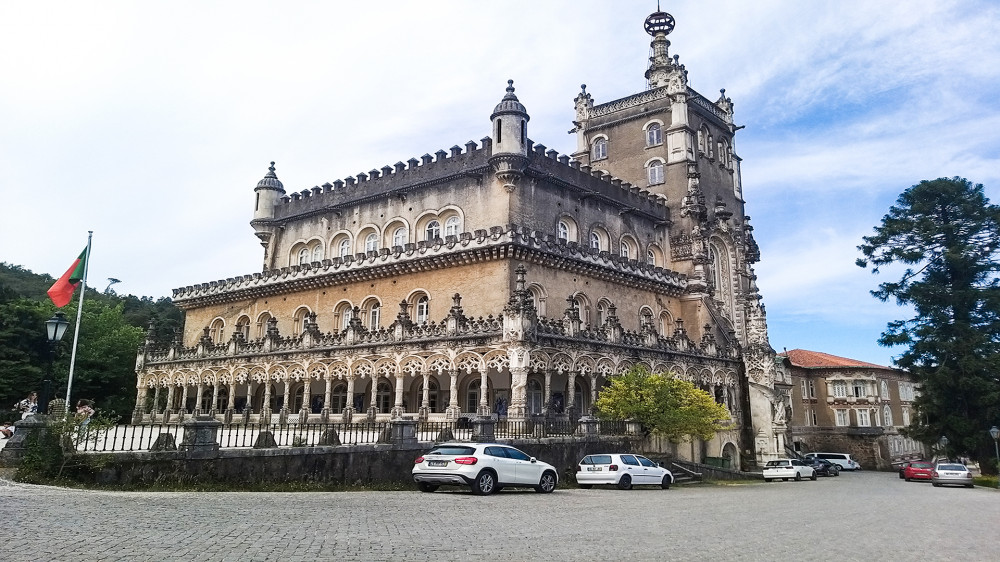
946 234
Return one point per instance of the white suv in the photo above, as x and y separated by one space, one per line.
843 459
622 470
484 467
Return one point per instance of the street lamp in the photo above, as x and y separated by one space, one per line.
995 434
55 328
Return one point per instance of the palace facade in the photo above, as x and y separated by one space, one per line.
496 278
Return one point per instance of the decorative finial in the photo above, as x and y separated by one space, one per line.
722 91
271 168
510 86
583 88
659 22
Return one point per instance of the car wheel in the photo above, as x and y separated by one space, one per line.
784 480
484 484
935 484
901 476
767 480
905 478
798 477
625 483
970 486
547 483
585 486
813 477
666 482
425 487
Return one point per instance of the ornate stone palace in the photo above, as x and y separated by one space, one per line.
496 278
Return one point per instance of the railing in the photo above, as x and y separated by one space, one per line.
160 437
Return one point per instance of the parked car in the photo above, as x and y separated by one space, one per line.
844 460
918 470
823 467
951 473
484 467
623 470
788 468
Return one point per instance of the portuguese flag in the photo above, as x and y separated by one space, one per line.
61 291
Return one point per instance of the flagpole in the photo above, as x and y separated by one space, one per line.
76 330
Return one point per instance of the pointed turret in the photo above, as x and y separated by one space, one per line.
510 139
268 193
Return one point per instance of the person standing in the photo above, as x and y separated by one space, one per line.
84 411
28 406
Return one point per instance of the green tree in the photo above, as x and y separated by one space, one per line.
662 405
24 350
945 233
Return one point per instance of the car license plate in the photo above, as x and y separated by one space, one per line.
437 463
594 468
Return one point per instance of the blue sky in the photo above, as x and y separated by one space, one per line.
150 123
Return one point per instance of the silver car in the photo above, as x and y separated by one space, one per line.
951 473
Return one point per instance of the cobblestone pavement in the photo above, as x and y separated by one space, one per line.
865 516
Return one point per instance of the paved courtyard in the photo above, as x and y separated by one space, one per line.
865 516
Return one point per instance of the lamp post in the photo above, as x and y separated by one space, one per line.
55 328
943 443
995 434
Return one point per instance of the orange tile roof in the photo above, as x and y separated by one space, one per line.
817 360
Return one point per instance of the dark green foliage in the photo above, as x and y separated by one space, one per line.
111 331
946 233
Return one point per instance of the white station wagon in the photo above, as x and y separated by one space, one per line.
622 470
788 468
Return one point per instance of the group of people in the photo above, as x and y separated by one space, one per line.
29 407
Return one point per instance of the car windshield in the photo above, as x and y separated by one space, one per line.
920 464
778 463
597 459
951 467
452 450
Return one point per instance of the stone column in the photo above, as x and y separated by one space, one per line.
156 399
518 397
484 398
593 394
397 409
215 398
349 409
140 405
454 401
286 401
373 404
168 408
198 397
265 408
571 396
327 397
306 400
184 399
231 403
425 400
548 393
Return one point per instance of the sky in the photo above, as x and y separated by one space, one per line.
150 123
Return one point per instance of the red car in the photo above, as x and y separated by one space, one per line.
918 470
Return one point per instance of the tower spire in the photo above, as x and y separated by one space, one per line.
659 24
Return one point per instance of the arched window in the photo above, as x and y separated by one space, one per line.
383 397
600 149
885 391
602 312
303 256
243 326
701 140
654 135
345 311
298 320
374 316
451 226
887 415
217 330
262 321
625 250
422 309
371 242
432 231
472 396
654 172
563 231
399 236
535 397
317 253
344 247
595 240
651 257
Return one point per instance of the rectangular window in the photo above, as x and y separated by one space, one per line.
813 413
843 419
840 389
804 388
812 389
864 418
859 389
906 416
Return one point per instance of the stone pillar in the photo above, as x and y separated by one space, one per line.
397 409
156 399
198 398
168 407
286 400
425 399
140 405
484 398
201 436
306 400
546 408
571 395
327 397
482 429
265 408
593 394
455 401
404 432
215 398
184 399
373 404
518 396
231 403
349 409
